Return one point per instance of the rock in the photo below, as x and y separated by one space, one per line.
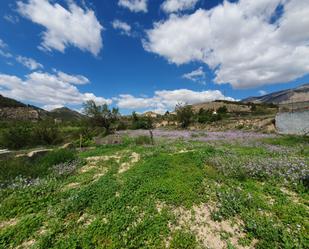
38 152
67 146
5 153
19 113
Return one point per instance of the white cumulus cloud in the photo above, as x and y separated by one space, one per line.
29 63
74 26
167 99
124 27
134 5
72 79
45 89
247 44
170 6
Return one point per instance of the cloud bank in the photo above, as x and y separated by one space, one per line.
247 44
47 89
167 99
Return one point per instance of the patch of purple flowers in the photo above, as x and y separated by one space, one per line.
283 167
197 135
66 168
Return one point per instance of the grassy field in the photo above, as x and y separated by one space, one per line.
175 194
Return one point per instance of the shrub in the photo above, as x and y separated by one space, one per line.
222 110
184 115
207 116
16 137
57 157
26 134
142 140
46 133
145 123
28 169
101 116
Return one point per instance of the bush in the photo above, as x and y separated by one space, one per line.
57 156
222 110
27 168
207 116
184 115
26 134
142 140
45 133
101 116
16 137
145 123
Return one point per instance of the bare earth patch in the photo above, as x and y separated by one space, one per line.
5 224
27 244
71 185
94 159
99 174
134 158
292 195
208 232
181 152
85 219
92 162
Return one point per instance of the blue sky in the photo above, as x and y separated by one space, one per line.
148 55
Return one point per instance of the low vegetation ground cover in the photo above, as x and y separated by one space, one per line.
177 193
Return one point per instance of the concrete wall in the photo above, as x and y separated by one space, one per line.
293 122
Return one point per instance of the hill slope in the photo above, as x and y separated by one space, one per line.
8 102
11 109
66 114
299 94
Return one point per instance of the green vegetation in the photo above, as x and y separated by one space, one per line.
184 115
143 140
26 134
7 102
145 123
101 116
162 196
32 168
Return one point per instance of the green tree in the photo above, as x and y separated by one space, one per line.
101 115
139 122
222 110
204 116
184 115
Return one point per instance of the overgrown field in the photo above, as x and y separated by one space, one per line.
250 193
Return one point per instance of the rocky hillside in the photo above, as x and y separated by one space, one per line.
230 105
11 110
295 95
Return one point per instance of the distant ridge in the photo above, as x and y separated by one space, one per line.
8 102
66 114
297 95
11 109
